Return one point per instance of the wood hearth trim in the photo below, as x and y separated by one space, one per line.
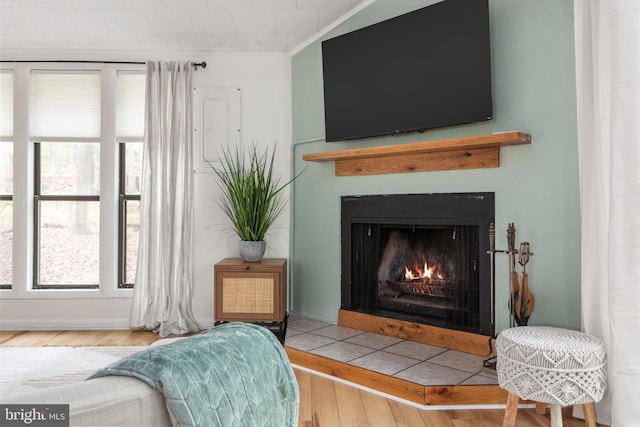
394 386
441 337
422 395
480 151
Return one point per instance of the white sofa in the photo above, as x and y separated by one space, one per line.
106 401
195 376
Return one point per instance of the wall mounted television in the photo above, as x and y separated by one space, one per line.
425 69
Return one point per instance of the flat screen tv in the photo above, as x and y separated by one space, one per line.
425 69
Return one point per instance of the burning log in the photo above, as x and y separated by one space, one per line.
424 287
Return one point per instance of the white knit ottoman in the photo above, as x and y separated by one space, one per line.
557 366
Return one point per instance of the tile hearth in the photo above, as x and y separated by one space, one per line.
423 364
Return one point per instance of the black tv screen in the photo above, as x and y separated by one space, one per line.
425 69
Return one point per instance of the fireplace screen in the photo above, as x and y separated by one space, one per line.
426 266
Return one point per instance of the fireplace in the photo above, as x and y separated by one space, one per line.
419 257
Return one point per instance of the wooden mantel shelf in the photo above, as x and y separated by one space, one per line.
471 152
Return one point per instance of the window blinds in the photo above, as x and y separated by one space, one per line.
65 104
130 105
6 105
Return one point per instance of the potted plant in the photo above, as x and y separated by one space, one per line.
252 197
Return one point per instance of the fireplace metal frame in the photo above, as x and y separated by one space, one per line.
431 209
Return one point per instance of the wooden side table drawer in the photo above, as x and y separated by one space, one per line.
254 292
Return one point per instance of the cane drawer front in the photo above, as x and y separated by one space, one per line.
250 291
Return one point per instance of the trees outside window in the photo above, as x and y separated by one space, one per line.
67 215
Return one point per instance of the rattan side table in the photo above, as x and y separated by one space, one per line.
253 292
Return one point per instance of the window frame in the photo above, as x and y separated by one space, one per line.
23 196
123 198
7 198
38 197
8 139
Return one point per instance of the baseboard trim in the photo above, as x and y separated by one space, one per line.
75 324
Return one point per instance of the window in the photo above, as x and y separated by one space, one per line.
65 127
129 201
130 133
6 179
70 170
67 215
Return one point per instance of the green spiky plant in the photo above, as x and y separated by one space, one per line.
252 197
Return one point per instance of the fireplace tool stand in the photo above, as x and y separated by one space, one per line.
520 298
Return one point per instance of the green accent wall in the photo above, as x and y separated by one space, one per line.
536 186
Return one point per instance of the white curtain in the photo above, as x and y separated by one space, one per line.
163 289
608 95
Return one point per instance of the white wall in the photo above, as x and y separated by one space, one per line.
265 83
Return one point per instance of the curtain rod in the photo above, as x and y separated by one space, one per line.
194 64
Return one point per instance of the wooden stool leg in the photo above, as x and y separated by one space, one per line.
556 416
589 414
541 408
511 411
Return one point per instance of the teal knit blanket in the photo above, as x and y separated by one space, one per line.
235 374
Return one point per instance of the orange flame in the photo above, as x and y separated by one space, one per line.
417 273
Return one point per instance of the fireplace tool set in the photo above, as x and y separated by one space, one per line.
520 297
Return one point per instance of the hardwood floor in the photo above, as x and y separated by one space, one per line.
323 402
75 338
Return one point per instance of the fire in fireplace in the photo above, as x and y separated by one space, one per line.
419 257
